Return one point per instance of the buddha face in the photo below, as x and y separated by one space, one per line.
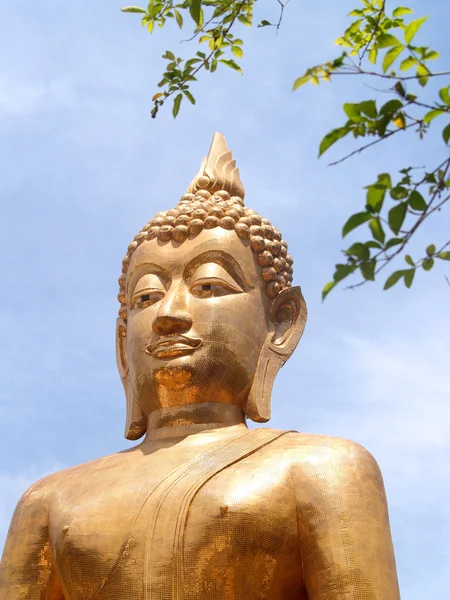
198 317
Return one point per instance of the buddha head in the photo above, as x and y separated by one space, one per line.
207 312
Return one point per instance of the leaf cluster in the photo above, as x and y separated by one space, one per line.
393 213
381 45
211 23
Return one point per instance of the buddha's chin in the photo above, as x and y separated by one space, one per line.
172 376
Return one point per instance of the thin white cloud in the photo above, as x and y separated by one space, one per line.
18 97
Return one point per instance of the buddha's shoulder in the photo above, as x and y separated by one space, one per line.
68 479
324 451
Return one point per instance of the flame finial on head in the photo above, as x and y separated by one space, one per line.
218 171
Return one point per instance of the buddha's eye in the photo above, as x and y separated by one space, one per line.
146 299
209 289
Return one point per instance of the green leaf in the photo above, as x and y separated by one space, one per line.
444 94
369 108
189 96
386 40
229 62
446 133
393 242
399 192
368 270
391 107
427 264
264 23
359 250
245 20
327 289
409 276
432 114
402 10
342 271
444 255
339 61
332 136
393 278
396 216
409 62
400 89
134 9
422 75
409 260
195 11
178 18
377 230
431 250
355 221
237 51
150 26
384 179
416 201
390 57
353 112
220 10
413 28
176 105
375 196
300 81
431 55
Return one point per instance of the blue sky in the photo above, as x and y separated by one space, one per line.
84 167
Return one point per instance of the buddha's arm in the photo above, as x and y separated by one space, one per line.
26 570
345 538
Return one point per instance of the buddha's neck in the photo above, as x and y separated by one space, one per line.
180 421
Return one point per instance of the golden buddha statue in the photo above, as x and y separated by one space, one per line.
205 508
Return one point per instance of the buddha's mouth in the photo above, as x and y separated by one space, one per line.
171 346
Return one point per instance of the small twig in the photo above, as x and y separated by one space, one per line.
384 76
374 32
283 5
205 25
358 150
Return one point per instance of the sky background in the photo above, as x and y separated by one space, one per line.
83 167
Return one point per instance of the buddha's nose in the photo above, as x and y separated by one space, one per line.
166 325
172 316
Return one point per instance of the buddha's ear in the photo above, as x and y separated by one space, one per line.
136 420
288 315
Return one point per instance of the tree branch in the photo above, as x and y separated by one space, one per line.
360 71
374 32
427 213
358 150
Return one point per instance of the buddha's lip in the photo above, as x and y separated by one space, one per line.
173 345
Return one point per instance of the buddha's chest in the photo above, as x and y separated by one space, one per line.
230 535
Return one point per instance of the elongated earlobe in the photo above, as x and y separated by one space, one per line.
288 315
136 420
